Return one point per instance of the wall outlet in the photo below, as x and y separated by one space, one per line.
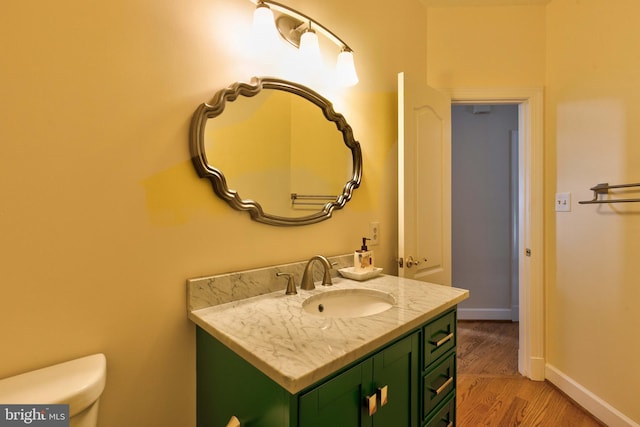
374 233
563 202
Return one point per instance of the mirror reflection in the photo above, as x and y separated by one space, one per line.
279 151
276 144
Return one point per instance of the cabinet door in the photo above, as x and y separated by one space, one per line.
340 402
396 373
389 379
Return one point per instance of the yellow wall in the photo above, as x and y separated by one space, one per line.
497 46
102 216
585 55
592 136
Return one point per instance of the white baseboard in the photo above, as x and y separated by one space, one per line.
589 401
484 314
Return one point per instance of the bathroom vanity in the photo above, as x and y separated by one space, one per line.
268 361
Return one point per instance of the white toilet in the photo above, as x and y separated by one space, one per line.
79 383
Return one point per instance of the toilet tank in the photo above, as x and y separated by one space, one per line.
78 383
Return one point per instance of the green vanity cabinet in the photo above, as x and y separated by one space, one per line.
409 382
380 391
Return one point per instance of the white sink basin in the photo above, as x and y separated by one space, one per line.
348 303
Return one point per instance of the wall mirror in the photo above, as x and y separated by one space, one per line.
277 150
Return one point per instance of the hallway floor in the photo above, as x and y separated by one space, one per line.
491 392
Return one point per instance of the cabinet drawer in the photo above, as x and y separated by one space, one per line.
439 337
438 384
445 416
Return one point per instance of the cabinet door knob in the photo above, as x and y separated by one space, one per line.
372 404
383 395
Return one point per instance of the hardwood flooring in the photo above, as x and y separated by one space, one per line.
491 392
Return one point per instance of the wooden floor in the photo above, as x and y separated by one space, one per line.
490 392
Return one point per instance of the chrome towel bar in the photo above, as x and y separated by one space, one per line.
604 189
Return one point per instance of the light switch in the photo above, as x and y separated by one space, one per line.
563 202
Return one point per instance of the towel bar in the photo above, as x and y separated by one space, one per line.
604 188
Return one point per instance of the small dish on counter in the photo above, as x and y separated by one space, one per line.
350 273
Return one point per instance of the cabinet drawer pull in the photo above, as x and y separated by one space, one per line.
440 389
383 394
442 341
372 404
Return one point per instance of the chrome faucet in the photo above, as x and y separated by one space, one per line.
307 277
291 284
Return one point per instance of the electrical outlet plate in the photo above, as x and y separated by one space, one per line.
563 202
374 233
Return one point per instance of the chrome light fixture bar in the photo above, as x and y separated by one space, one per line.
300 31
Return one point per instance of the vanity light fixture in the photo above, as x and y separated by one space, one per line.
264 27
302 32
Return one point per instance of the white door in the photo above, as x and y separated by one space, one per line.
424 183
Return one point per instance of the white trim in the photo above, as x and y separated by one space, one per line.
484 313
514 228
530 102
401 198
589 401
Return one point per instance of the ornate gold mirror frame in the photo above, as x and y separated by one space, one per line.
217 178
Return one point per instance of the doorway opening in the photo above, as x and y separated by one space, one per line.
531 362
484 209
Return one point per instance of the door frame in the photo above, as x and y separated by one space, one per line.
531 362
514 178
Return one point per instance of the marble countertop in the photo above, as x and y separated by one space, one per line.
296 349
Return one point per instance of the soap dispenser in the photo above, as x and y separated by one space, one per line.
363 258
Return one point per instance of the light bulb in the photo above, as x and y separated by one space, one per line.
310 49
346 69
264 27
